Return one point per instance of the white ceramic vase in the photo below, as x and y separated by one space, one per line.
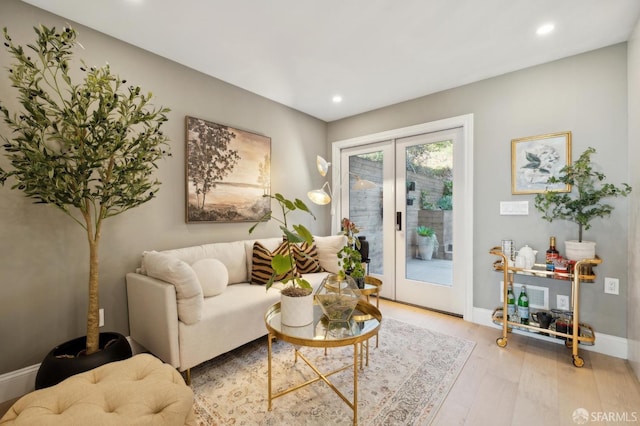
576 250
426 247
296 311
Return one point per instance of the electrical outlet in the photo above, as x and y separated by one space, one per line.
611 285
101 320
562 302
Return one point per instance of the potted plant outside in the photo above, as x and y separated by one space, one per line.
427 242
582 204
296 305
87 148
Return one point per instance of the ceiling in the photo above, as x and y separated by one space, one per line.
373 53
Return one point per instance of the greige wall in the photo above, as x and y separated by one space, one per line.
43 254
633 301
585 94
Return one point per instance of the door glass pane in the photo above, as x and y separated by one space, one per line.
365 204
429 213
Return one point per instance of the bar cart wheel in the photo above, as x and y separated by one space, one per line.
501 341
577 361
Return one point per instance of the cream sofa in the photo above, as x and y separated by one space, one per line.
192 304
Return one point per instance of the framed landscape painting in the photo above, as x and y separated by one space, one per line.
535 159
227 173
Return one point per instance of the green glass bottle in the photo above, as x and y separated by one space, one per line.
511 303
523 306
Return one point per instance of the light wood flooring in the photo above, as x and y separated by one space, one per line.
530 382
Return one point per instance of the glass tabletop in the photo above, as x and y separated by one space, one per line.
363 324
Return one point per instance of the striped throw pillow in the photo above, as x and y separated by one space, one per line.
261 270
306 256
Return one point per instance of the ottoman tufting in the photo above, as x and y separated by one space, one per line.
137 391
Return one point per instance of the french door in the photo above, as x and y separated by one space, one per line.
422 177
426 201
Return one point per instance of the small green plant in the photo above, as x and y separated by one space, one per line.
429 234
349 256
425 203
445 202
285 264
425 231
583 204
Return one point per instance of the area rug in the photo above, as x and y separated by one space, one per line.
408 378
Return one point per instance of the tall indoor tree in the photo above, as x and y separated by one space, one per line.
89 148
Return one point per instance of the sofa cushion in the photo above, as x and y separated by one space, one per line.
328 248
261 270
269 243
306 256
232 254
181 275
213 276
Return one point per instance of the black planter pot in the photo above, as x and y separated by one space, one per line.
67 359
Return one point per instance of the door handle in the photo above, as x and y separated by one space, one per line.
398 221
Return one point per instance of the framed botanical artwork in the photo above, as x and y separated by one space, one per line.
535 159
227 173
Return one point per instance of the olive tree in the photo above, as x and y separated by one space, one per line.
88 148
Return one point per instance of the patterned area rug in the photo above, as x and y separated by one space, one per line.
408 378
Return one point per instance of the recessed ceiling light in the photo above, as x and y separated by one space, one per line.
337 99
545 29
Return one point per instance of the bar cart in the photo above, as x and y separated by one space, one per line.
577 333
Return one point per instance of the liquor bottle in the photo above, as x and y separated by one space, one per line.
552 254
523 306
511 304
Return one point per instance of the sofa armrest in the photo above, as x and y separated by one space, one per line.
153 316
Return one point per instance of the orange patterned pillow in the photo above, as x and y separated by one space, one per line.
306 256
261 270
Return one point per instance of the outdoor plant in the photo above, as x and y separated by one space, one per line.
446 201
349 256
584 204
88 148
286 263
425 203
425 231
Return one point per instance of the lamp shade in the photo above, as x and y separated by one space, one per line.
319 196
363 184
323 165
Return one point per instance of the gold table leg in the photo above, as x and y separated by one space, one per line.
269 368
355 384
324 377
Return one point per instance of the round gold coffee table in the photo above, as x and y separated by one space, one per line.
364 323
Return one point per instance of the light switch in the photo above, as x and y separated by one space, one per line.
514 208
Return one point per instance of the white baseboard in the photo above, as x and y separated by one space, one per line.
17 383
604 344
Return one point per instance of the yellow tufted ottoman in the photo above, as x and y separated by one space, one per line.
137 391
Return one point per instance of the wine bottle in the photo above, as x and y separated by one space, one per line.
552 254
511 303
523 306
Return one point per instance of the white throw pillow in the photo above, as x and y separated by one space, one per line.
213 276
181 275
328 248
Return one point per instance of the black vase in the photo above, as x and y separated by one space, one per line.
67 359
364 248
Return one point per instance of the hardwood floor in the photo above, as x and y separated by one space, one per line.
530 382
